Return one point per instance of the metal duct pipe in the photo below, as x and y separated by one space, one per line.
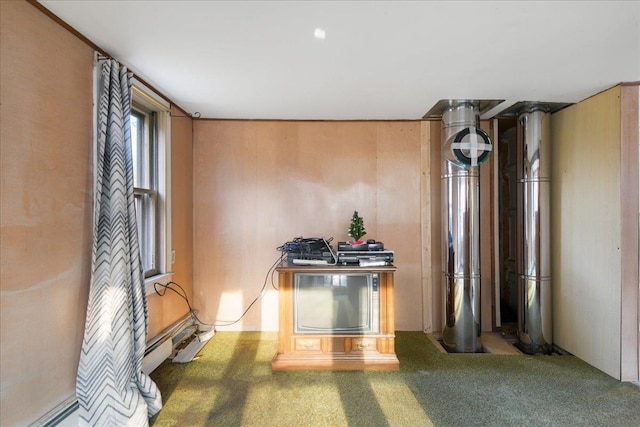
535 332
464 147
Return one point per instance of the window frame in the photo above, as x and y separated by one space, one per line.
145 100
145 172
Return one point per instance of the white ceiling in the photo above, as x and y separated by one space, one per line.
379 60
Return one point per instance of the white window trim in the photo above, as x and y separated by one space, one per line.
148 99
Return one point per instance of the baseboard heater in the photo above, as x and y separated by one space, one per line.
158 350
162 347
198 339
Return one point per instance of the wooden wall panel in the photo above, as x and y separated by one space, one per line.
586 239
435 158
46 209
630 175
398 208
259 184
225 221
426 206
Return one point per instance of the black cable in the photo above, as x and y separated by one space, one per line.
260 295
183 295
273 272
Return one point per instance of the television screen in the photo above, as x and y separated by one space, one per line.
335 303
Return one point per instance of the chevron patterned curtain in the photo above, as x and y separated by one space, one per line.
110 387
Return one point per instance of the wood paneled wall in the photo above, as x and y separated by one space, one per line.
46 209
254 186
630 250
586 230
259 184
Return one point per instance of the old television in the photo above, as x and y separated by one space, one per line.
336 303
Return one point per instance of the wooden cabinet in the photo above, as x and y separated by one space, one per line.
329 351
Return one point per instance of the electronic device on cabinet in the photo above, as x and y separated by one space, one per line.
369 254
336 303
335 317
319 251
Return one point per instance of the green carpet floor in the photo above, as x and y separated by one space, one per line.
231 384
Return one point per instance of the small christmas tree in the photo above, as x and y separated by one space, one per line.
356 228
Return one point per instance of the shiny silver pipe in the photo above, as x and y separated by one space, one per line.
464 147
535 331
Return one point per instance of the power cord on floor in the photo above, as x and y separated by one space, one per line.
161 289
260 295
183 295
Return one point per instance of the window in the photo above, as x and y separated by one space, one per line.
145 181
150 150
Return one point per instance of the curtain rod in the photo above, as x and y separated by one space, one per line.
95 47
102 57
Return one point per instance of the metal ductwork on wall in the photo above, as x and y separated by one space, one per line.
464 147
535 332
533 233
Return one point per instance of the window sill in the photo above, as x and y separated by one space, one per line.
163 279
